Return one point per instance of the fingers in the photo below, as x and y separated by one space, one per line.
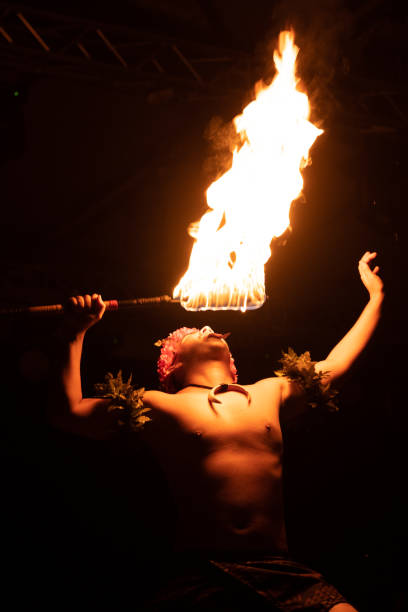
364 263
87 304
101 302
97 302
367 257
98 305
364 267
83 311
370 277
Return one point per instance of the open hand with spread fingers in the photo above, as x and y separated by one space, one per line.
83 311
369 277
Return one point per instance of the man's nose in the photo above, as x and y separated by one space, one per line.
206 329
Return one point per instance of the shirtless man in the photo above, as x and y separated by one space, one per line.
219 443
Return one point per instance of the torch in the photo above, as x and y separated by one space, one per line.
111 305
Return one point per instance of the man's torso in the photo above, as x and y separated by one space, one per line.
223 465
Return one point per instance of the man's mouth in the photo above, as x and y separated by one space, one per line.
220 336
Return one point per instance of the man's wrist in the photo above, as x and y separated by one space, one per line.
68 334
377 297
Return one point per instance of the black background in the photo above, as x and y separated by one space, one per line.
98 186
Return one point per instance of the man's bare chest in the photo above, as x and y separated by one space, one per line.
189 423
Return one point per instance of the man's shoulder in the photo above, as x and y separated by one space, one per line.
282 385
154 398
273 383
152 393
161 402
271 387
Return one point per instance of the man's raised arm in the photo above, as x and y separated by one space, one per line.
343 355
67 408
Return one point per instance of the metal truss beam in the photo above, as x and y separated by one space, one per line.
42 43
37 42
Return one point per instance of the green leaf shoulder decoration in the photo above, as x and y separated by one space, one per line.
126 401
300 369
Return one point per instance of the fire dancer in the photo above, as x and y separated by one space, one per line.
220 447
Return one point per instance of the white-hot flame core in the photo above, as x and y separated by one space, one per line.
250 203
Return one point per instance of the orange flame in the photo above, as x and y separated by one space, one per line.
250 203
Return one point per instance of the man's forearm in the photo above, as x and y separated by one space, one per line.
354 342
66 406
70 385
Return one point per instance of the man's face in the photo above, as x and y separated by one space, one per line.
203 343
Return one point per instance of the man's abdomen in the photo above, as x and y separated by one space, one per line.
241 508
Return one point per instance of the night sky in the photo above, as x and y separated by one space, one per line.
101 172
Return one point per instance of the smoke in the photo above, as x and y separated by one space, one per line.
223 139
322 29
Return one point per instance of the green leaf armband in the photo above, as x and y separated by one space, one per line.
300 369
126 401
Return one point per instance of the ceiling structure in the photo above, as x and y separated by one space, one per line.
128 57
355 52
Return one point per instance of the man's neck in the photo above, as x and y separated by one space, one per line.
208 375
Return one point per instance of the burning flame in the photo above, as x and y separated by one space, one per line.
250 203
